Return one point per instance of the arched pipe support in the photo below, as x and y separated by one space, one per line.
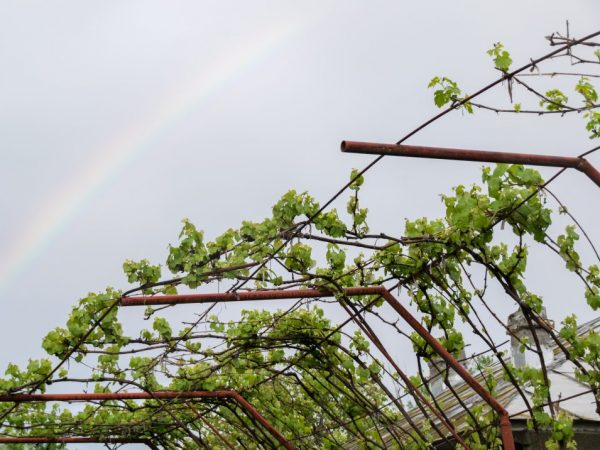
505 425
172 395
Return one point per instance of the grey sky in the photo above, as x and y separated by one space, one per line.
120 118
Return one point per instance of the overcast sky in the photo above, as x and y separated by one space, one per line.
120 118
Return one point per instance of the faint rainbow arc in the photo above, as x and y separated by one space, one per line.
62 207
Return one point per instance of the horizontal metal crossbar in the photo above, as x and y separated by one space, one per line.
460 154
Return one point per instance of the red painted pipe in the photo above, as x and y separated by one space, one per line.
70 440
20 398
505 426
223 297
459 154
238 296
88 397
264 422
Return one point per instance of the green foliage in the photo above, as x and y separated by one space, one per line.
587 91
584 348
141 272
501 57
552 101
448 92
566 243
330 224
162 327
298 258
593 123
562 433
555 100
190 256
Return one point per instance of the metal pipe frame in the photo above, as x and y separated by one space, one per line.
173 395
459 154
505 425
74 440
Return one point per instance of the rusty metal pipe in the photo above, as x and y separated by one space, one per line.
71 440
211 426
239 296
222 297
103 396
586 167
460 154
21 398
414 390
506 433
505 426
264 422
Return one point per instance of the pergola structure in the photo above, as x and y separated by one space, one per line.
162 300
376 292
181 405
382 292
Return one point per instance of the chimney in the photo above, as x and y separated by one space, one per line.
518 328
437 373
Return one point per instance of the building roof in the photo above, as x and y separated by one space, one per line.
571 395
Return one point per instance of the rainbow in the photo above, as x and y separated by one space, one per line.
108 160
